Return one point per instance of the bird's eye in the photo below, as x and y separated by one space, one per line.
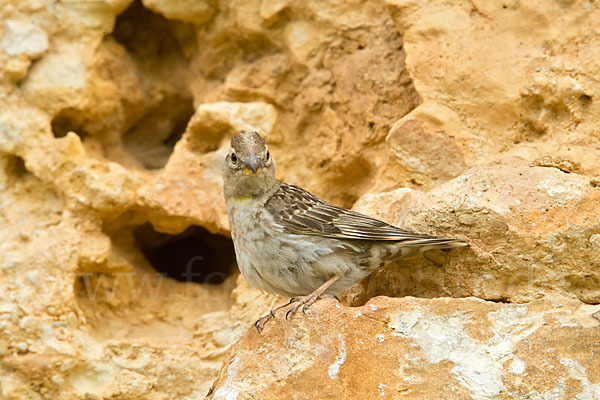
233 158
268 155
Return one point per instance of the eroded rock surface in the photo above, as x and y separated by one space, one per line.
475 119
418 348
523 225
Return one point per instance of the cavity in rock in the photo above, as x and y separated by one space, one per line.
194 255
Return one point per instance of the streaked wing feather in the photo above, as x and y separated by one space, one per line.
299 211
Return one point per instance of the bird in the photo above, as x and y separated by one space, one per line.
291 243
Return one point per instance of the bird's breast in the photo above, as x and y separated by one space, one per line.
245 223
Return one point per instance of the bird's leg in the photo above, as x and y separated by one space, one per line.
260 323
307 301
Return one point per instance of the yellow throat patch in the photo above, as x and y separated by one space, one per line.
242 198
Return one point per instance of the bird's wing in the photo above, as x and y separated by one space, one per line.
299 211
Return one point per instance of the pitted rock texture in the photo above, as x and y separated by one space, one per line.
474 119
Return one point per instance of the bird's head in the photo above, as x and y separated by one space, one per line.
248 170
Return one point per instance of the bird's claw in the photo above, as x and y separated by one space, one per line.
260 323
290 311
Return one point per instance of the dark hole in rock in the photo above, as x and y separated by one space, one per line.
68 120
195 255
151 37
585 99
152 139
500 300
15 166
161 49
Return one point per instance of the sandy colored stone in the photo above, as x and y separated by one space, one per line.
563 164
522 223
115 115
196 12
417 348
418 164
214 121
23 38
516 102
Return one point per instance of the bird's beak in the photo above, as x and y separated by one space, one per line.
252 166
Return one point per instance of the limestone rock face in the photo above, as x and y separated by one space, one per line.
418 348
523 225
476 120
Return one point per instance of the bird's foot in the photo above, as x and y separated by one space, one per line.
305 302
260 323
297 302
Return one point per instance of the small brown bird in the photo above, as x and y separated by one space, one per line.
289 242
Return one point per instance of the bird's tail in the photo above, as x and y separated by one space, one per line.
438 244
408 248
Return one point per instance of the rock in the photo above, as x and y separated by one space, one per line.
520 111
130 385
22 42
57 80
196 12
213 122
114 120
440 160
23 38
269 10
302 38
564 165
378 205
522 224
417 348
16 389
